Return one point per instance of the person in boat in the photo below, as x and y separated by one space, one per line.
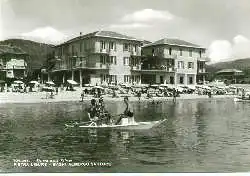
104 115
93 113
127 114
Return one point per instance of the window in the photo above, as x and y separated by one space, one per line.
111 45
190 65
180 52
181 64
161 80
181 80
190 53
113 78
125 47
104 78
103 45
136 48
112 60
170 51
190 80
126 78
153 51
80 46
171 80
72 50
103 59
200 52
126 61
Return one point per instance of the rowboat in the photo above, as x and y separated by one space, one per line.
126 126
239 99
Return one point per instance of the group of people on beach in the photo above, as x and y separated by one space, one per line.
98 114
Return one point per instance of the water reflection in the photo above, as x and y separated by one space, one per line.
199 135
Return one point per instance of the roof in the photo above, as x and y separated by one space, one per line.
174 42
7 49
230 71
106 34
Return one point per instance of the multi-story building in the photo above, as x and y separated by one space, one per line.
172 61
97 58
13 63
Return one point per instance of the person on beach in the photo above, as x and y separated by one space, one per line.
139 95
93 113
82 96
243 93
174 95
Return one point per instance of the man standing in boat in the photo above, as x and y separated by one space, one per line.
128 115
104 115
93 113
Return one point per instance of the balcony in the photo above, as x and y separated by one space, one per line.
104 51
158 69
202 70
165 55
203 59
135 53
136 68
59 67
172 56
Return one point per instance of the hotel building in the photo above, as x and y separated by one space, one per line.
100 57
173 61
104 57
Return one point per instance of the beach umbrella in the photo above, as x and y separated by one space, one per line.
72 82
18 82
50 83
34 82
98 87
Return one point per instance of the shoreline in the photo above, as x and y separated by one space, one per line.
40 97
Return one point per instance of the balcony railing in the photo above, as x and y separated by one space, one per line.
168 56
202 70
164 55
159 68
60 67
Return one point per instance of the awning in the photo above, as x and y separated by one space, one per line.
2 81
98 87
72 82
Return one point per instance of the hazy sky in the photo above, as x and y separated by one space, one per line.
222 26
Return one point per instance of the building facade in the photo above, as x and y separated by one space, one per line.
13 63
173 61
100 57
105 57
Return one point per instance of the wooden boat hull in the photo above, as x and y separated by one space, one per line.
135 126
241 100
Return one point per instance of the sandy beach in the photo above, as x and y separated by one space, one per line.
40 97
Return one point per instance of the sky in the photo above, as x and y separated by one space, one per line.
222 26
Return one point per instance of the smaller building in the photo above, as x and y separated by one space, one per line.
230 75
13 63
173 61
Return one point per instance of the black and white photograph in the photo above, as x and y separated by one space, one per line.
124 86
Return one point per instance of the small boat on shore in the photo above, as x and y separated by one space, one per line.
240 99
127 126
